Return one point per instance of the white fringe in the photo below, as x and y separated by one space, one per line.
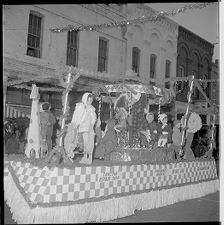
105 210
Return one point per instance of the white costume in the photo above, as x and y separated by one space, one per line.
83 121
33 139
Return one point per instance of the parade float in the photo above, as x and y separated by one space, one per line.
58 189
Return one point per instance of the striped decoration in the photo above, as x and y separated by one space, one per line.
11 112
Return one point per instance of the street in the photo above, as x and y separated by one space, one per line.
201 209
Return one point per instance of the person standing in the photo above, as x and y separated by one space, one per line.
12 145
83 121
44 123
51 123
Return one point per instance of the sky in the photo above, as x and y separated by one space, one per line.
203 22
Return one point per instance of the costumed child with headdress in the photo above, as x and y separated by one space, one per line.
83 121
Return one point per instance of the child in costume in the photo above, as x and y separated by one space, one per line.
165 135
83 121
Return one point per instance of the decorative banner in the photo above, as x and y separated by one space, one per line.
50 186
139 88
142 19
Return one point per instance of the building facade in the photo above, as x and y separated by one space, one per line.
31 49
154 44
194 57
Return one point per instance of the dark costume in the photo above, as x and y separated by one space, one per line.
12 145
161 152
165 132
108 143
138 119
154 130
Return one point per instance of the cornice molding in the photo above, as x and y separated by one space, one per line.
196 40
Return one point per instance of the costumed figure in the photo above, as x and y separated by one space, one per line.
82 124
165 136
33 141
121 127
46 128
52 128
98 131
13 143
194 124
108 142
176 138
150 131
138 120
160 149
9 129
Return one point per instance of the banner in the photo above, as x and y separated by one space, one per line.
92 183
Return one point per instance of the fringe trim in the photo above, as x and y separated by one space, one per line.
106 210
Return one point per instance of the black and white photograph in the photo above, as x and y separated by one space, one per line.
111 112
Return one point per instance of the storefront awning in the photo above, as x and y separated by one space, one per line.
17 111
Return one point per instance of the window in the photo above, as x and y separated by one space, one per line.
181 71
180 84
167 74
152 67
34 35
136 59
103 54
72 48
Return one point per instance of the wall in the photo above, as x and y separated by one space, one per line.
15 20
194 54
159 38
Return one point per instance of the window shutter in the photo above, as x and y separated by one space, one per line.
72 48
34 35
102 54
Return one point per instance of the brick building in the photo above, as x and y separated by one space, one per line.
194 57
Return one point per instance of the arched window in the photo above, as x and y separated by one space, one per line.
152 67
167 73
